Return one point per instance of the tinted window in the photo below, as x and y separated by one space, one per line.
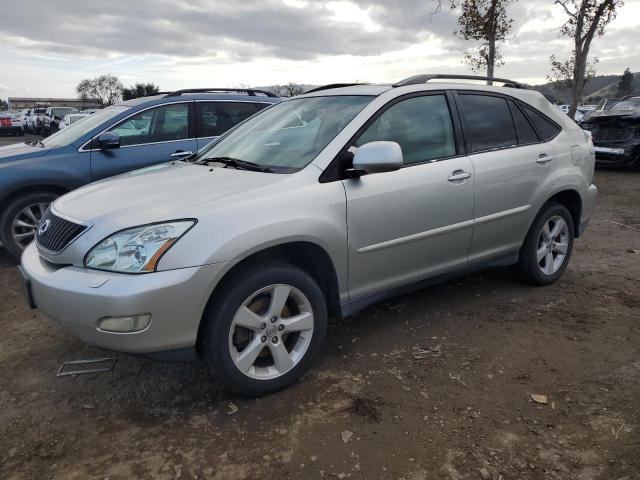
161 124
488 121
420 125
526 133
215 118
545 127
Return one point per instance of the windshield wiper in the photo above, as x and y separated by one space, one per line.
235 163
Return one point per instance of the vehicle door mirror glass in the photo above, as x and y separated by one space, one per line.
377 157
108 141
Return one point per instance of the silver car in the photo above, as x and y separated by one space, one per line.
319 205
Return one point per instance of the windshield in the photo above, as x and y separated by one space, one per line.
625 105
61 111
288 136
74 132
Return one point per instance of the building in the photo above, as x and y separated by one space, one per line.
18 103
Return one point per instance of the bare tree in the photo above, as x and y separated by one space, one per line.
562 74
485 21
587 18
105 89
289 90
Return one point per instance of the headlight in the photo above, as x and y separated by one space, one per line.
138 249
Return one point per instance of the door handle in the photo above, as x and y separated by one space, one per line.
543 159
181 153
459 175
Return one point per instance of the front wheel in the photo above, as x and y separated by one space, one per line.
548 246
263 328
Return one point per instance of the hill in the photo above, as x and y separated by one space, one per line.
601 86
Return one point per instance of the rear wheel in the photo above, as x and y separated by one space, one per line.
548 246
19 221
263 328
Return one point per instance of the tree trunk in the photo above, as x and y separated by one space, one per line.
491 54
579 72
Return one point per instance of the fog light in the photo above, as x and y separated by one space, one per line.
133 323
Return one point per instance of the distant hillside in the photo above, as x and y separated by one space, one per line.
601 86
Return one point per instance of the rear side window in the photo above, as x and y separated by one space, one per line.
526 133
215 118
420 125
488 122
546 128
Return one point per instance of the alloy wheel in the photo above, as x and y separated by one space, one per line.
553 244
25 223
271 332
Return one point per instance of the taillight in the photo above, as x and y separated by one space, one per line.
5 122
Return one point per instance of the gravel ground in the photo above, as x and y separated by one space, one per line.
435 384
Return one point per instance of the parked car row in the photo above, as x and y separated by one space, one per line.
239 248
40 120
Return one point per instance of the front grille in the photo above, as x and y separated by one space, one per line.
58 232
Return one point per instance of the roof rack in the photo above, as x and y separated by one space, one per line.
249 91
419 79
333 85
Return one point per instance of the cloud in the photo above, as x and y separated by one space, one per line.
274 41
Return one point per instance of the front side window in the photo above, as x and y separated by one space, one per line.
160 124
215 118
420 125
288 136
488 122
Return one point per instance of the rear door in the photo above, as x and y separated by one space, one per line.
213 118
155 135
511 162
415 222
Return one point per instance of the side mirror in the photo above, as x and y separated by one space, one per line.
377 157
108 141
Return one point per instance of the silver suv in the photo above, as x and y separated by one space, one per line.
319 205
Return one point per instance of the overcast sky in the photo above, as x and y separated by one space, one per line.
49 46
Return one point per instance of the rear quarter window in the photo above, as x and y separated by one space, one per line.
546 128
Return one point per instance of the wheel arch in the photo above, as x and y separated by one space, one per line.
308 256
572 200
27 189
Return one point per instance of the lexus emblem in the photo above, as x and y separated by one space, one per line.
44 226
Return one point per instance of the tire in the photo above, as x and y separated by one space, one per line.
14 210
543 259
223 341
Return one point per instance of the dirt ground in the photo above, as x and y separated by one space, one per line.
432 385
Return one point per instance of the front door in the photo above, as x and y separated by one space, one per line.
155 135
416 222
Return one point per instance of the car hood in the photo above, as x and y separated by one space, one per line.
21 150
161 192
605 116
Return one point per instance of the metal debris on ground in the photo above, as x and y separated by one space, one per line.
84 367
232 408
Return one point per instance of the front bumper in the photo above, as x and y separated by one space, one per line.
78 298
618 154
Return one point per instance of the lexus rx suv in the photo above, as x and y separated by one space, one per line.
321 204
131 135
